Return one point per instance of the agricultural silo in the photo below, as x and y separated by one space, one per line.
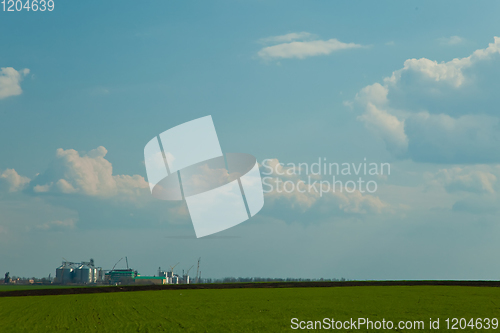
65 273
94 274
59 274
84 274
100 275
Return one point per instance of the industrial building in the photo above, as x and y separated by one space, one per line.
86 273
120 276
172 278
78 273
169 277
150 280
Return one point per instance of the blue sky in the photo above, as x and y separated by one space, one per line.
283 80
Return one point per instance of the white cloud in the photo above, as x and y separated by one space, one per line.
469 179
442 138
287 38
393 110
450 71
79 187
58 224
377 119
65 187
453 40
386 126
42 188
294 46
89 174
10 81
14 181
471 188
299 200
375 94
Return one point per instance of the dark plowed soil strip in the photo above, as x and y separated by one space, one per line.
112 289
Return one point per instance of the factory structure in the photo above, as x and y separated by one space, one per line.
78 273
86 272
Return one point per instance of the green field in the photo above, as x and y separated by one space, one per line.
244 310
9 287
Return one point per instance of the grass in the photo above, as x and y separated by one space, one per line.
9 287
242 310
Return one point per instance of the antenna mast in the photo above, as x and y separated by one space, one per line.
198 271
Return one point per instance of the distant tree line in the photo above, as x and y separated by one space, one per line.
262 279
24 280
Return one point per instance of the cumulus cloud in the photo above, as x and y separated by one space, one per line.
375 94
10 81
14 181
42 188
453 40
287 38
300 46
79 191
473 188
442 138
306 202
450 72
478 179
408 110
89 174
388 127
58 224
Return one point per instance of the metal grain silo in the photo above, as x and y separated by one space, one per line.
95 274
65 273
84 274
59 274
